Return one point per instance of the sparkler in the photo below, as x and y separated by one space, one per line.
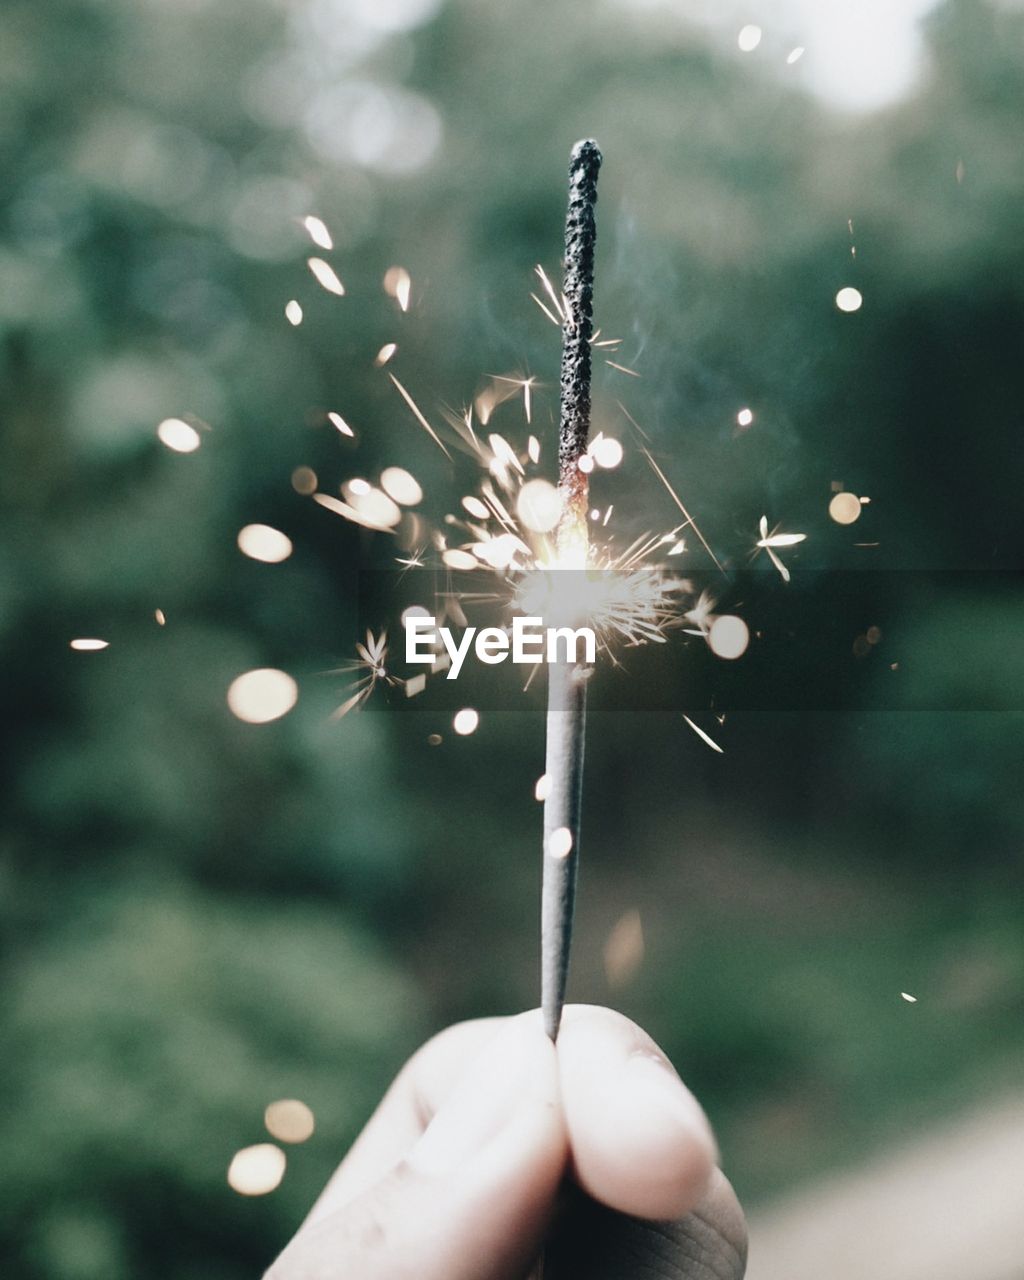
526 547
567 684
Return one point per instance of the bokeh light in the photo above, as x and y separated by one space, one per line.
262 695
304 480
466 721
178 436
289 1120
607 452
728 637
559 843
538 506
400 486
257 1170
845 508
261 542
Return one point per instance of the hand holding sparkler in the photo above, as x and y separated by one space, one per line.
460 1174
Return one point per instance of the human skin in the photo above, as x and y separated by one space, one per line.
497 1156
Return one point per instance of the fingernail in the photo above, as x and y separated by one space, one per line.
662 1090
485 1098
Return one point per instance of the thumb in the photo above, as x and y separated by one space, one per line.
474 1196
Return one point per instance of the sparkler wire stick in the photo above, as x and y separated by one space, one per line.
567 683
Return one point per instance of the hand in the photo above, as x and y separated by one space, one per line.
493 1150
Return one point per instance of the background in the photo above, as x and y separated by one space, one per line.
201 915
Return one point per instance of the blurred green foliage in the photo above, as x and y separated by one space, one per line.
198 915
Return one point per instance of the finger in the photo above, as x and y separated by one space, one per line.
640 1142
592 1242
409 1105
473 1198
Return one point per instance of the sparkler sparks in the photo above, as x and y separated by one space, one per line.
398 285
339 422
769 541
704 737
318 233
370 662
519 534
326 276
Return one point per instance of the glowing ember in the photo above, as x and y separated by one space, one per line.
293 312
434 739
326 276
385 354
289 1120
908 997
849 299
560 843
845 508
466 721
542 788
401 486
178 436
261 542
161 619
89 646
729 637
749 38
745 417
258 1170
259 696
304 480
338 421
398 285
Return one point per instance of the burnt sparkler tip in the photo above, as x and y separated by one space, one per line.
586 154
